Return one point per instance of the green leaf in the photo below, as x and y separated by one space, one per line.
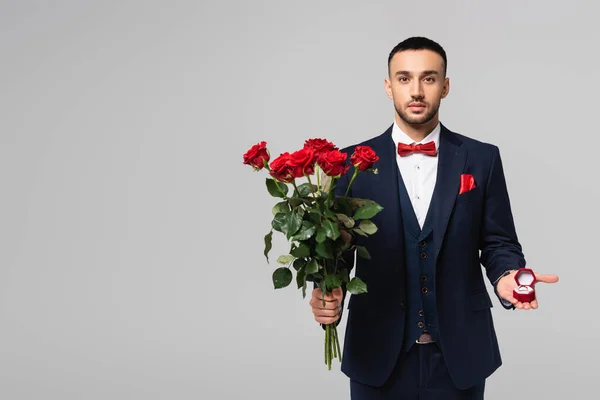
360 232
356 286
301 282
368 211
330 214
281 207
276 189
295 202
301 251
285 259
293 222
356 202
346 220
324 250
282 277
344 275
333 281
268 244
278 222
299 264
321 235
306 231
306 189
312 267
346 236
314 217
344 206
331 229
367 227
362 252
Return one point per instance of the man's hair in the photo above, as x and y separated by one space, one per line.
418 43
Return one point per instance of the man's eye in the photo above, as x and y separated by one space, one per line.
430 79
403 79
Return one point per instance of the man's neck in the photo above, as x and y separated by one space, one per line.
417 132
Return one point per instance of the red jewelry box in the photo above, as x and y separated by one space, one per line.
525 278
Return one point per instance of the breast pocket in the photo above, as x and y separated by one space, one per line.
470 196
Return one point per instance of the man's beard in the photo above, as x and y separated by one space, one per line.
417 119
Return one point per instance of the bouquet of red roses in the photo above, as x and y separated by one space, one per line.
319 225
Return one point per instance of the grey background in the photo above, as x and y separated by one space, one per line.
131 263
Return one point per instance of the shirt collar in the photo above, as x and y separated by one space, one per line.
400 137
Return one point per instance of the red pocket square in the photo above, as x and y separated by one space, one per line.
467 182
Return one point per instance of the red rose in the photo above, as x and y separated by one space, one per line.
319 145
333 163
257 156
280 168
363 158
302 162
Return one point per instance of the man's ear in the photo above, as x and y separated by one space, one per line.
446 89
387 85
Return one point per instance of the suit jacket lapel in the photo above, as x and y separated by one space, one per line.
452 157
387 168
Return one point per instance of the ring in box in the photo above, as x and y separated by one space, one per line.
526 280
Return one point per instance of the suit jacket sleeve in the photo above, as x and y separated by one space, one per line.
500 247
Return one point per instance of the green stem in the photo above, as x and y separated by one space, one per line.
310 183
329 347
317 170
325 344
331 190
337 343
351 180
333 346
296 189
279 188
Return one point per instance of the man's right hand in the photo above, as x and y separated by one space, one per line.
330 312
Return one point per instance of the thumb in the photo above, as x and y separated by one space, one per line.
337 293
546 278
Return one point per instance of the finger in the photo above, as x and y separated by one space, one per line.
326 320
329 305
318 294
337 293
325 313
534 304
526 306
546 278
328 297
519 305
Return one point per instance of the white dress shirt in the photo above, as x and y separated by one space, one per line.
418 170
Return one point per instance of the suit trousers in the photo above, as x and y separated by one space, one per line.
420 373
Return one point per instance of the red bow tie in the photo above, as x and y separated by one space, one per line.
425 148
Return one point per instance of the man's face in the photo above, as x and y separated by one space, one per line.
417 85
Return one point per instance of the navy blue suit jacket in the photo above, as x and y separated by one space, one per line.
471 229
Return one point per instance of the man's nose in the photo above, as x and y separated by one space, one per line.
416 90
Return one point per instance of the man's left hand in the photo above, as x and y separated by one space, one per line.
507 284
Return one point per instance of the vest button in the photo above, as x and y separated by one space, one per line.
424 278
421 313
422 243
423 256
421 325
424 290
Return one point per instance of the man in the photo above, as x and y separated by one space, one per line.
424 329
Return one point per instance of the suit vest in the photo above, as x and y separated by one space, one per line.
421 312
